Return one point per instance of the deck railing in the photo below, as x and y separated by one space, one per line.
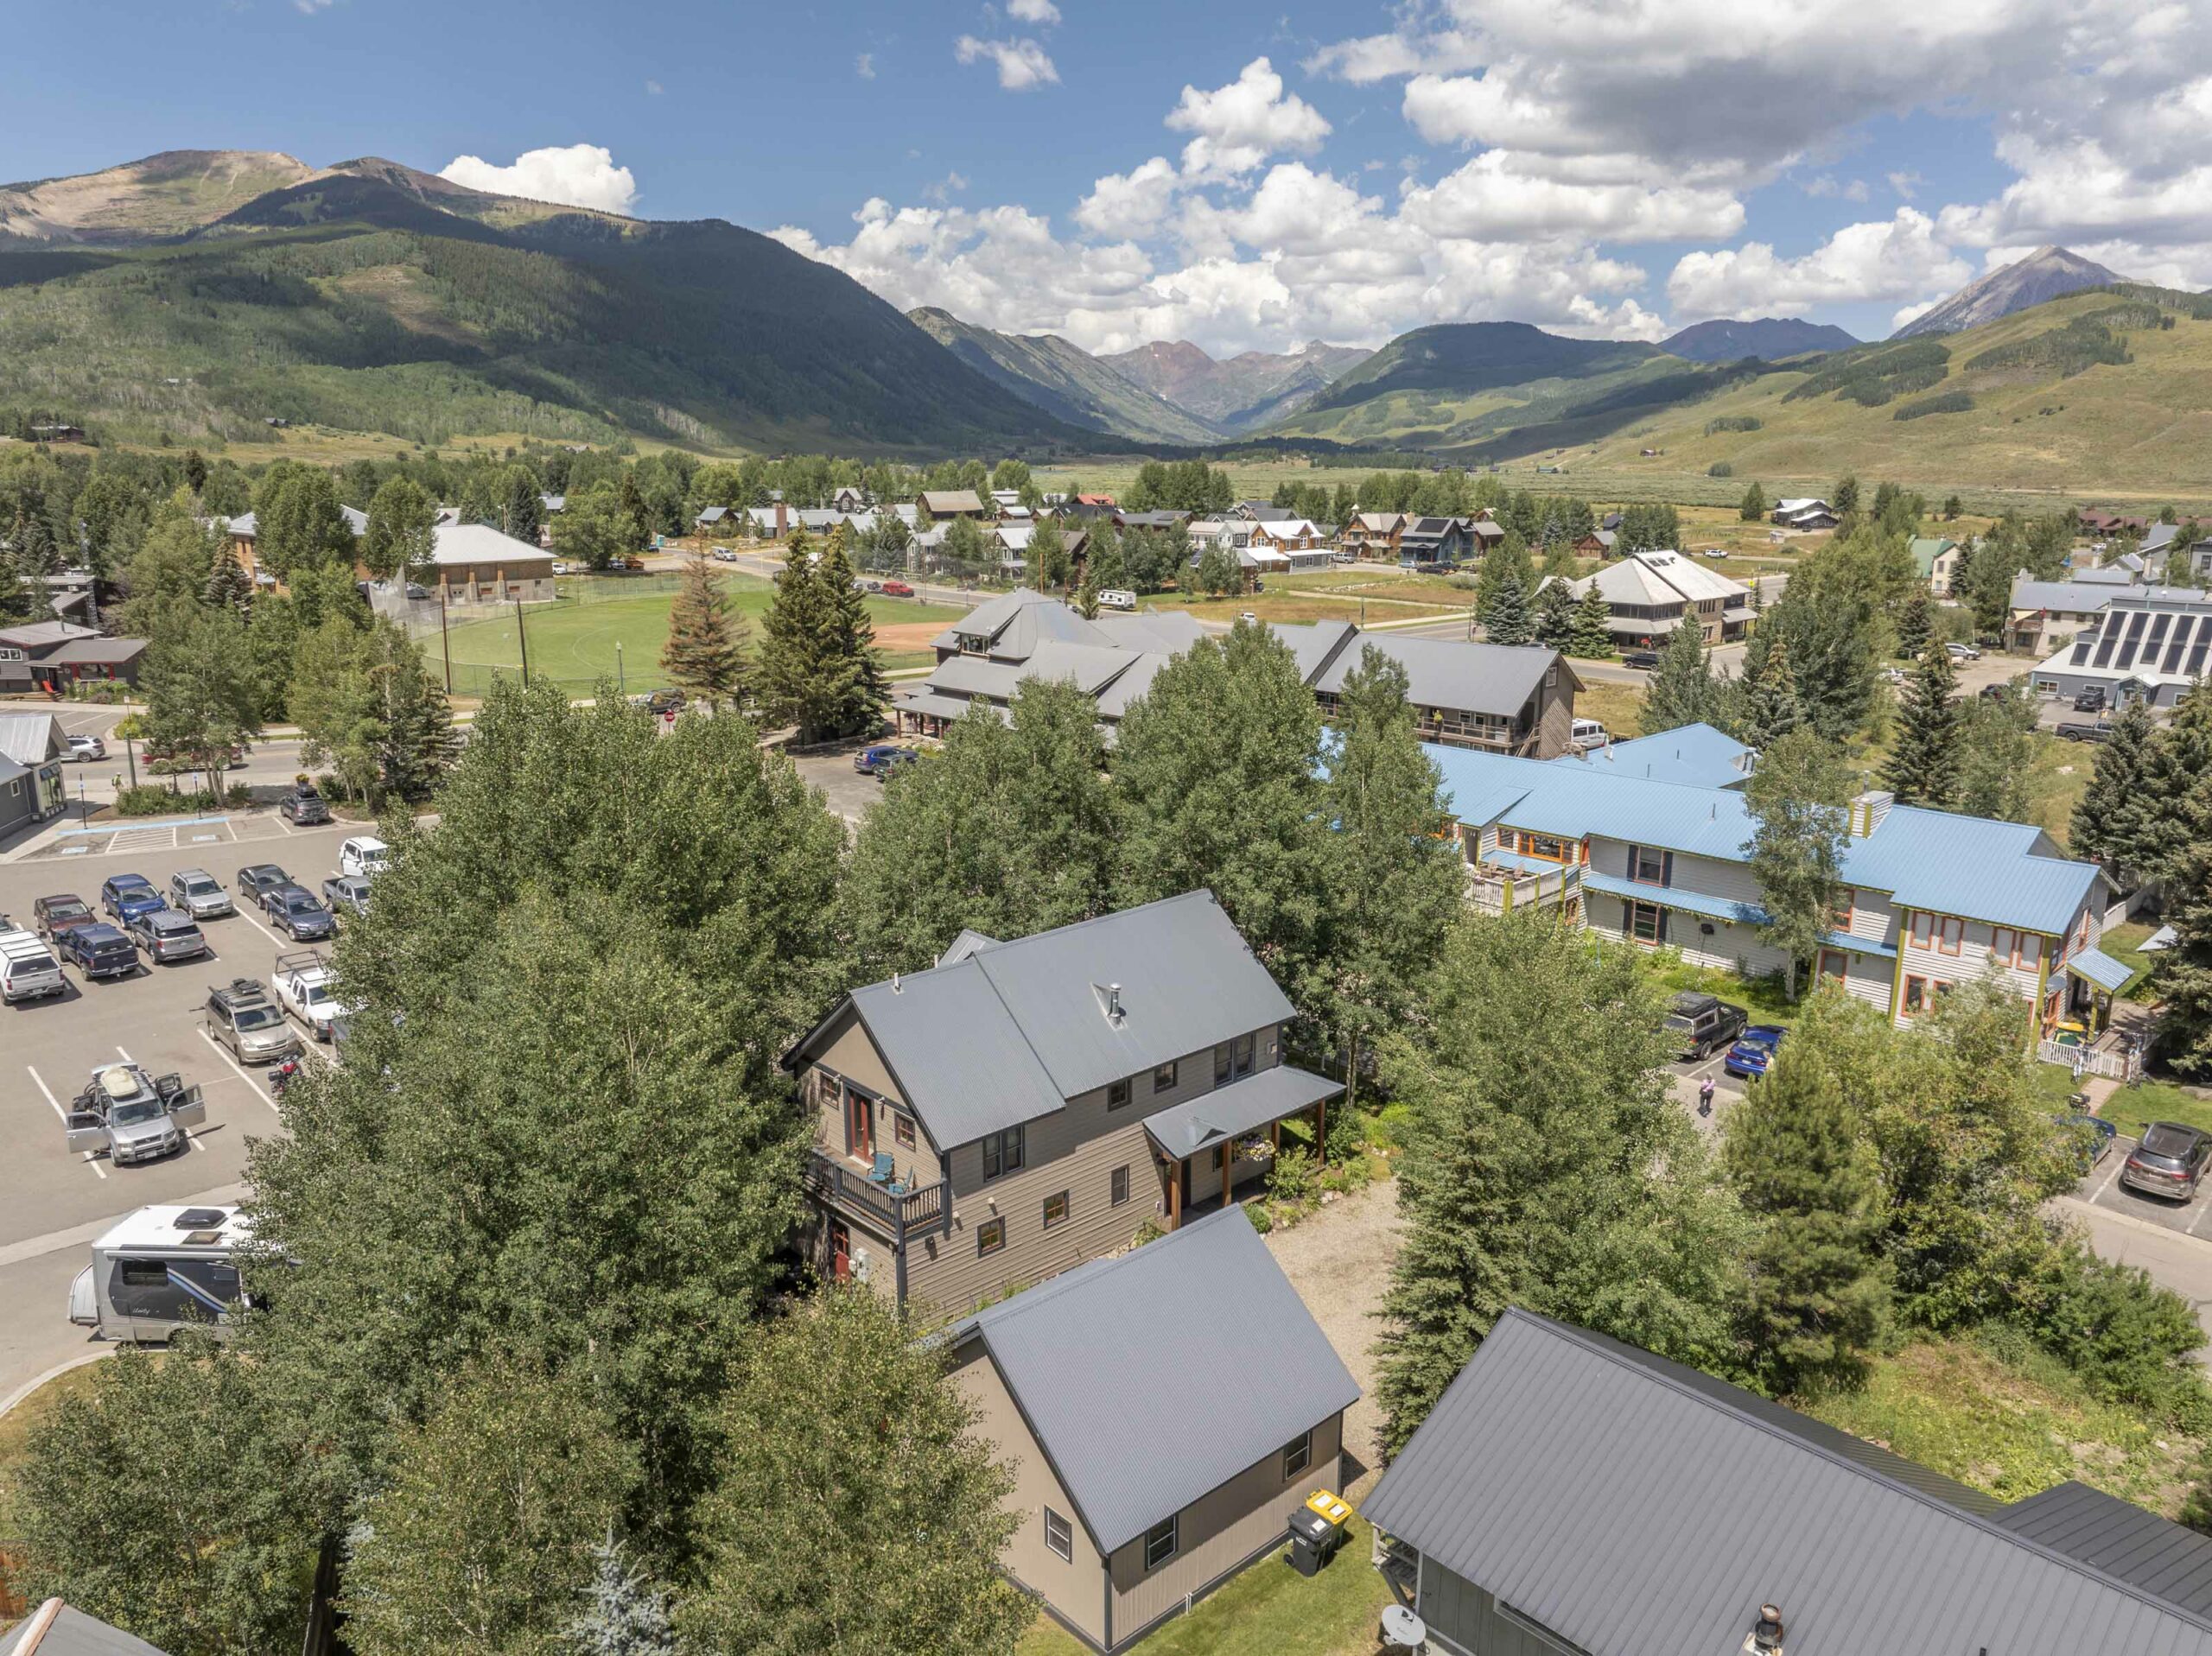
1496 890
2123 1065
927 1208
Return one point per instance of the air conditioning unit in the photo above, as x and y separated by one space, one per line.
858 1265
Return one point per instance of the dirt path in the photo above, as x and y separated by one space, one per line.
1339 1261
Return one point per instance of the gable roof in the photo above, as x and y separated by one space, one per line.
1661 577
2067 597
944 500
1134 1438
480 543
2121 1539
1708 1502
31 739
1926 549
69 1632
1696 754
1440 672
1012 1030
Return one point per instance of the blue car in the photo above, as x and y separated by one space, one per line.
876 760
1754 1051
128 896
2095 1133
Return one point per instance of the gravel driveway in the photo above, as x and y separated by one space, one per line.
1339 1261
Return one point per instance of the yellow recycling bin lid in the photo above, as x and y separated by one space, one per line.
1333 1506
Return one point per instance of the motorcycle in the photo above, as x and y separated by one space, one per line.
281 1076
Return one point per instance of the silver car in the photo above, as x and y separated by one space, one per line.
195 892
241 1017
167 935
132 1116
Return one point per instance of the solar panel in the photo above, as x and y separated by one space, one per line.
2184 625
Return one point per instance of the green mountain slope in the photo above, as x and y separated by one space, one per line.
2104 391
168 195
1769 338
373 297
1064 380
1242 394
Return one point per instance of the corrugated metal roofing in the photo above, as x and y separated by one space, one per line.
2121 1539
1154 1377
1674 896
1450 672
1696 754
29 739
1015 1028
1637 1508
1244 1106
2065 597
2099 968
74 1633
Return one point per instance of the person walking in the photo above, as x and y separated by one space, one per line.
1705 1096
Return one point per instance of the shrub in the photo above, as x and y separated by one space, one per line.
107 692
2131 1340
1941 402
148 800
1720 468
1291 1179
1733 423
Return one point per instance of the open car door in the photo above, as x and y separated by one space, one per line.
168 1087
188 1109
86 1131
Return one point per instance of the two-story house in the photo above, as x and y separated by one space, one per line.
1507 698
1570 1495
1651 844
1023 1106
1374 535
1648 594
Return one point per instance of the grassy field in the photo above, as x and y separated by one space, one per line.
1269 1610
577 643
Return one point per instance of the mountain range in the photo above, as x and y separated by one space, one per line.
2046 273
1243 393
200 295
1769 338
1063 379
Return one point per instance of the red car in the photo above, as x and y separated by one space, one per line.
897 589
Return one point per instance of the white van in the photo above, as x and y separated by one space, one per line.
364 856
160 1271
1586 733
27 968
1115 599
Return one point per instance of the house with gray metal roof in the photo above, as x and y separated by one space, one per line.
1502 698
59 1629
31 785
1162 1412
1653 846
1025 1106
2147 643
1569 1493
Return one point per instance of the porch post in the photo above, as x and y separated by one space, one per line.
1175 1195
1321 1134
1228 1161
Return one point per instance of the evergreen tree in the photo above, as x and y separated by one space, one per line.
522 509
855 692
1592 636
1816 1293
2179 756
1508 560
818 668
626 1613
416 744
2184 1028
1544 1165
1555 614
1996 753
2109 821
1682 690
1923 766
21 601
229 586
705 651
1754 506
1953 508
1508 622
869 1504
1086 595
635 515
1846 497
1768 706
1916 625
1800 800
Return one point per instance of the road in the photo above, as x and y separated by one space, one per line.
51 1204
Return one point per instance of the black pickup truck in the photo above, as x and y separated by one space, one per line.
98 951
2081 730
1702 1024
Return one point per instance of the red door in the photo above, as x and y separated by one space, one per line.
841 1250
860 1126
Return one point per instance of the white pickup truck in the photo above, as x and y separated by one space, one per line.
303 989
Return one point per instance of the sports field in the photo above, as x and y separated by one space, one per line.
587 637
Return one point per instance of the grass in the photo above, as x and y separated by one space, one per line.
1761 997
1616 706
1294 606
1269 1610
20 1422
2124 943
577 643
2133 1107
2010 1425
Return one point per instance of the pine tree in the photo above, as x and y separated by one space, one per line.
1953 508
229 586
1915 624
1555 614
1770 706
19 600
705 651
1816 1295
2178 758
1754 506
818 669
1508 560
1923 767
1593 637
1682 691
626 1613
1846 497
415 746
2184 1027
1086 596
521 511
2108 819
1509 622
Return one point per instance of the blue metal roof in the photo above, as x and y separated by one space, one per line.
2101 969
2005 873
1675 896
1696 754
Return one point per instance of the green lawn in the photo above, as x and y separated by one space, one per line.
1269 1610
577 643
2124 943
2131 1108
1761 997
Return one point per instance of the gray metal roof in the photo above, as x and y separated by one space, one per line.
2121 1539
1156 1376
2067 597
1451 673
29 739
1185 1129
74 1633
1637 1508
1014 1030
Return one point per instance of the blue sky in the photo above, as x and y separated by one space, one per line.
1244 174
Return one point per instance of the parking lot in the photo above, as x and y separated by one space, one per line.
2102 1189
52 1202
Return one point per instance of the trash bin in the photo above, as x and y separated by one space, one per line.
1316 1530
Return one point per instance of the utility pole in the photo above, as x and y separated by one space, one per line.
621 684
445 638
522 637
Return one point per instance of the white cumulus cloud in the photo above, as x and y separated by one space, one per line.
1240 125
1043 13
1899 259
1023 63
577 175
1129 206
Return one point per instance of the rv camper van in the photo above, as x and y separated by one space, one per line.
161 1270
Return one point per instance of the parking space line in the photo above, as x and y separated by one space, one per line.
248 917
2118 1160
240 1073
2205 1207
39 1081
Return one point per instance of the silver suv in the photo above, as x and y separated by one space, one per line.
241 1017
195 892
132 1115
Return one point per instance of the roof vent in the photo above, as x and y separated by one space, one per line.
895 989
1109 1002
200 1219
1765 1636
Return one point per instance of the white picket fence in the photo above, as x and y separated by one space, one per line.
2123 1066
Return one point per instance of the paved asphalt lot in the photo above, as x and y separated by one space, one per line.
2103 1189
51 1204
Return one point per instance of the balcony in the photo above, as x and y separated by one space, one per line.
899 1214
1497 889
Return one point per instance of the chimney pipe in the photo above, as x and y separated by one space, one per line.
1113 1001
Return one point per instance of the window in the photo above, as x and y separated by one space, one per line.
1117 1094
1118 1187
1245 1046
1056 1210
1646 866
1542 844
1160 1544
2030 951
1921 932
990 1237
902 1129
1845 906
1835 965
1002 1153
1646 923
1163 1078
1916 997
1297 1454
1059 1535
1232 1060
1950 933
1221 1068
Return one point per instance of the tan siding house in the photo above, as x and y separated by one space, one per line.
1163 1412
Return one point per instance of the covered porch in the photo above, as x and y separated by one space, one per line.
1207 1147
2080 1029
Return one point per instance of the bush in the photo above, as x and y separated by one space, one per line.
1941 402
106 692
1733 423
148 800
1720 468
2131 1340
1292 1177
